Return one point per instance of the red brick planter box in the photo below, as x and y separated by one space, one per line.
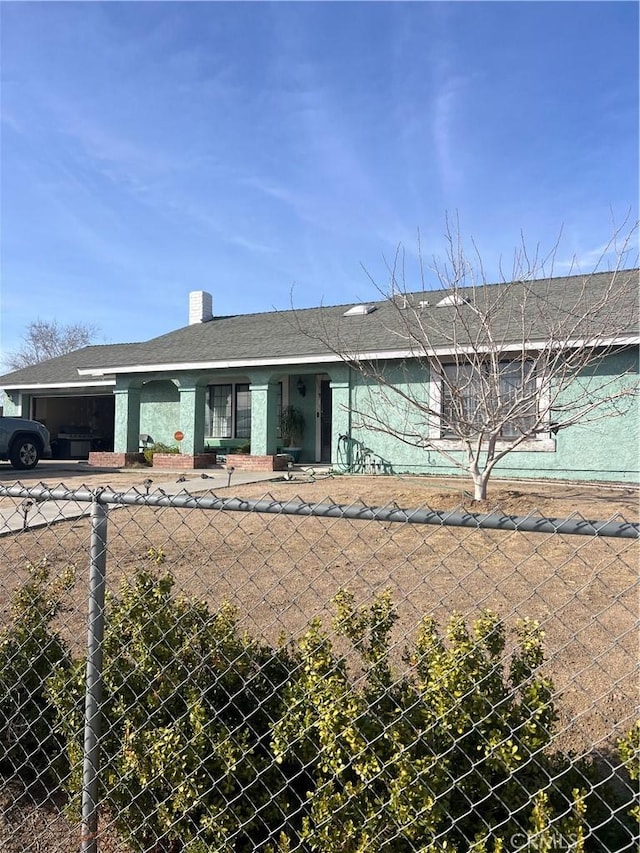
107 459
247 462
179 461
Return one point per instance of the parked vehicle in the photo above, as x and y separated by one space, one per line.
23 442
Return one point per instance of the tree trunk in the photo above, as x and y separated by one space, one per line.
480 482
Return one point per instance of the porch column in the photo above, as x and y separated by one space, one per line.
264 417
126 434
340 418
193 393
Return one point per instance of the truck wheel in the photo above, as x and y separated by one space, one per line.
25 453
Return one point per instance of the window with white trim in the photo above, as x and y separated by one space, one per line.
470 400
229 410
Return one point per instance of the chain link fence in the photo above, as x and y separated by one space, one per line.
194 673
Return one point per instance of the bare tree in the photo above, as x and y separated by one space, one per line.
46 339
505 365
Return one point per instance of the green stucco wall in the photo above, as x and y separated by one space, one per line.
160 410
607 449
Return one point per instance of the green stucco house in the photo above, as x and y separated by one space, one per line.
372 382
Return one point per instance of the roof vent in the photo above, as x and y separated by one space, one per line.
453 299
401 300
359 310
200 307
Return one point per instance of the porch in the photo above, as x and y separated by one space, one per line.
234 412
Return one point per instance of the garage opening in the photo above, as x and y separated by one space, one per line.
78 424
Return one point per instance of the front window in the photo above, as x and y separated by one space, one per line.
220 411
230 411
477 397
243 411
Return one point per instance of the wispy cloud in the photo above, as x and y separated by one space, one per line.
601 257
216 225
280 192
12 121
445 114
104 146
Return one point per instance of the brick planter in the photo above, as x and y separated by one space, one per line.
247 462
106 459
180 461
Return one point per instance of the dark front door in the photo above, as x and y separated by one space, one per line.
325 420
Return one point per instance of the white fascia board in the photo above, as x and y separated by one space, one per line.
329 358
235 364
36 386
532 346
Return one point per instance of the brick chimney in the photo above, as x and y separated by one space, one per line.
200 307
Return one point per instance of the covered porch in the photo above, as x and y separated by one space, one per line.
232 411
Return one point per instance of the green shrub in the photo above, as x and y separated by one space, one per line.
607 794
213 741
629 751
454 753
30 653
158 447
188 707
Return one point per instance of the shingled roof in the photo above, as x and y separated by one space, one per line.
314 334
63 369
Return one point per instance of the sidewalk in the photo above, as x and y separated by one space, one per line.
29 514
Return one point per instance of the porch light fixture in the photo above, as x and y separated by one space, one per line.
302 388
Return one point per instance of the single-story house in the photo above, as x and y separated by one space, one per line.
221 382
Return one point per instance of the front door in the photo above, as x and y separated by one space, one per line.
325 420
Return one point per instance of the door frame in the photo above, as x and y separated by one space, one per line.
320 378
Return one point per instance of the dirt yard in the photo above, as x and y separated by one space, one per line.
282 570
550 497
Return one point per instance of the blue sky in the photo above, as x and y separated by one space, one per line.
150 149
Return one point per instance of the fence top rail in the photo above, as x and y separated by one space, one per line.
574 525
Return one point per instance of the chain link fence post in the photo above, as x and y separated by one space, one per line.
93 689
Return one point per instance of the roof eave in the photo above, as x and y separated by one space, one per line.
332 358
33 386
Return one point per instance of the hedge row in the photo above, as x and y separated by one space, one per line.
214 741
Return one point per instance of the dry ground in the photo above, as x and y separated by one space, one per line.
281 571
550 498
